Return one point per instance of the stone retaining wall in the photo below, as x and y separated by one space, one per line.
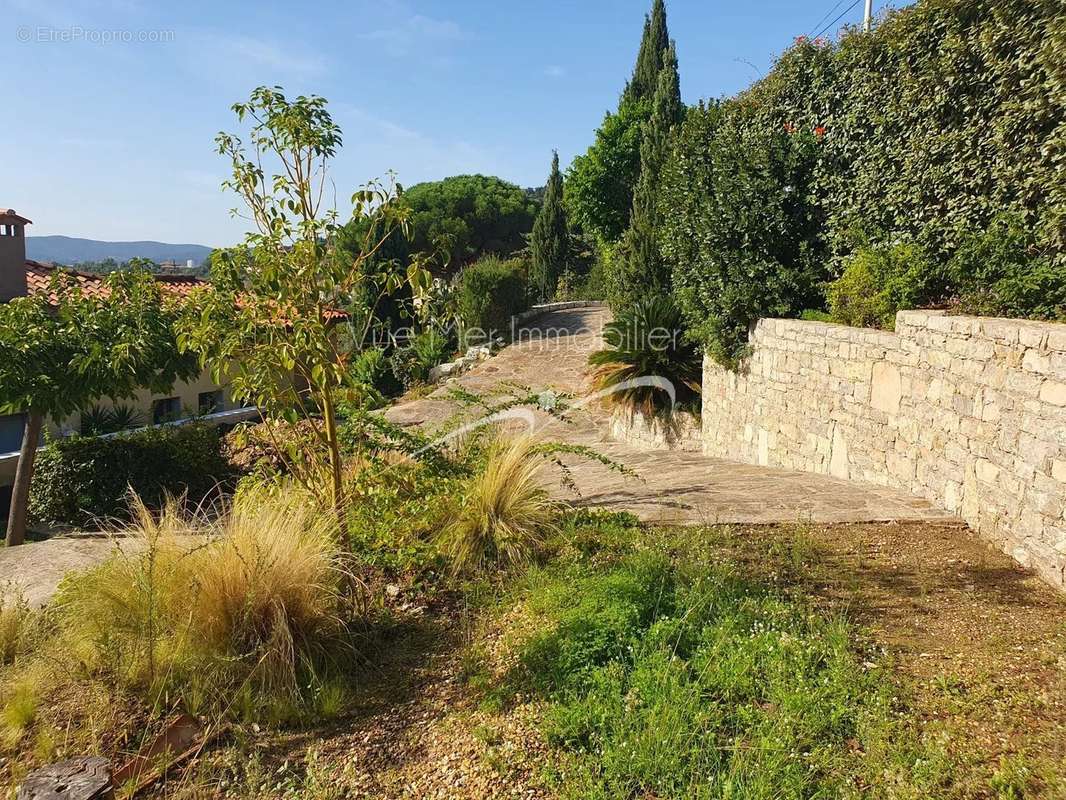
678 431
543 308
967 412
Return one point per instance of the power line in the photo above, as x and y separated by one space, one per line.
839 17
825 16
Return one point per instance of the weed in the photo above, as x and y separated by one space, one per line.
330 699
673 677
1011 779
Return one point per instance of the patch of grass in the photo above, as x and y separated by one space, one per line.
505 513
19 711
15 621
668 674
331 698
1011 780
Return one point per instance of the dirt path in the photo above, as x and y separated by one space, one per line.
34 570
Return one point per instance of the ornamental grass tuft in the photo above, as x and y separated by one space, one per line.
505 512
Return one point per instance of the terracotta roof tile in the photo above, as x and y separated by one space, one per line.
38 277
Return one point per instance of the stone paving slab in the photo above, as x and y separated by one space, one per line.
33 570
673 486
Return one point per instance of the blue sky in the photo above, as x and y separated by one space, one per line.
114 140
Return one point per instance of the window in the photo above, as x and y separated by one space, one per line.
167 409
210 402
11 427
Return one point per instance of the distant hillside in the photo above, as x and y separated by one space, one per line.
68 250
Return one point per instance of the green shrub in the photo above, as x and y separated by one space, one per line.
879 281
945 115
647 340
80 480
373 378
591 286
741 228
1003 272
491 291
411 364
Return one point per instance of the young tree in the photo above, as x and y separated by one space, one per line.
639 270
268 325
599 182
550 241
58 358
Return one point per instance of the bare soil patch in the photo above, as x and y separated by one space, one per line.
978 642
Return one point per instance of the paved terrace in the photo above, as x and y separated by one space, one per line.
676 487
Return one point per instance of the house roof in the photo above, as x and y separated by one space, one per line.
39 276
9 217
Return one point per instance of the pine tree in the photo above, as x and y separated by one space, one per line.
549 242
653 46
640 269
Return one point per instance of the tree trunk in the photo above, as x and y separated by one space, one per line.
20 492
335 464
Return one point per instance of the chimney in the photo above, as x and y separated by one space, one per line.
12 255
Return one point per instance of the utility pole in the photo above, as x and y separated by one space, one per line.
867 15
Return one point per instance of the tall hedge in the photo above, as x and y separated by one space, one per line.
745 235
949 113
84 479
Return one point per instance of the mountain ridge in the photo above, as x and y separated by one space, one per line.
72 250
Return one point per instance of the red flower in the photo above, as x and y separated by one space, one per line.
801 39
819 130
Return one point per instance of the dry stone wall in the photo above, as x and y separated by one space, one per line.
677 431
967 412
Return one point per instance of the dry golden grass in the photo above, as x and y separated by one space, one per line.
15 618
202 607
505 512
268 587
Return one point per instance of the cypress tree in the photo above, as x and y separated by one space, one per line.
653 46
640 269
549 242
